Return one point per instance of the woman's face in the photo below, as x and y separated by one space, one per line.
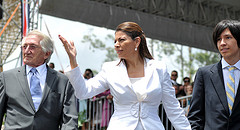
124 45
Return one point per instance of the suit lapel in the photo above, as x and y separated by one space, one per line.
148 70
22 80
123 72
218 83
51 75
237 98
148 74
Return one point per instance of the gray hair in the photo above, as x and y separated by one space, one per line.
46 42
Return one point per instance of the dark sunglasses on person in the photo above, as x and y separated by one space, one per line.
186 80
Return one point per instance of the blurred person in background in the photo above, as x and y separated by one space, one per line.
189 89
175 86
83 104
174 76
51 65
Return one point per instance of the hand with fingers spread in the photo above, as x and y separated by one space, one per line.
71 51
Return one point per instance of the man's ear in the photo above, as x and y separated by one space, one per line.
47 54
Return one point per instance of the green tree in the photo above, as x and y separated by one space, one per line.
188 65
188 62
204 58
170 50
151 43
96 43
111 54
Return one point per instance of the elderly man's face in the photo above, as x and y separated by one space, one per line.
33 55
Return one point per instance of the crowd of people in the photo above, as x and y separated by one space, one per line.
85 111
35 96
182 90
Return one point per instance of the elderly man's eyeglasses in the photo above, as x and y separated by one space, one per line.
30 47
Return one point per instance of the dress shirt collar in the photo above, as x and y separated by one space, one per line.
40 69
225 64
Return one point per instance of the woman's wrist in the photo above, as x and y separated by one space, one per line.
73 63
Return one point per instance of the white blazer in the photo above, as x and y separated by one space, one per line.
129 109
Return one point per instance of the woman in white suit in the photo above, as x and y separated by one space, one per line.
137 82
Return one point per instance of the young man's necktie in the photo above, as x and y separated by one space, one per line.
230 88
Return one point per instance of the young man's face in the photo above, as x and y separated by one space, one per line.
227 46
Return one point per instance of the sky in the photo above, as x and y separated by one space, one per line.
75 31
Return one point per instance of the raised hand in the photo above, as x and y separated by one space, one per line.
71 51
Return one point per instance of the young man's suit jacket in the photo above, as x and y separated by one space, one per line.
209 107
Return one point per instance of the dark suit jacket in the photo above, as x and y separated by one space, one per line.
56 111
209 107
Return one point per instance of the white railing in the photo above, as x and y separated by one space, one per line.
99 111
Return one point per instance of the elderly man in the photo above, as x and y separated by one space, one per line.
34 97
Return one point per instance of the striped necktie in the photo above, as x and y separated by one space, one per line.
230 88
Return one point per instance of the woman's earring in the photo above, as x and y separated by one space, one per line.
135 49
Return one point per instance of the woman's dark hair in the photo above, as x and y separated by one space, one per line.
134 30
232 25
